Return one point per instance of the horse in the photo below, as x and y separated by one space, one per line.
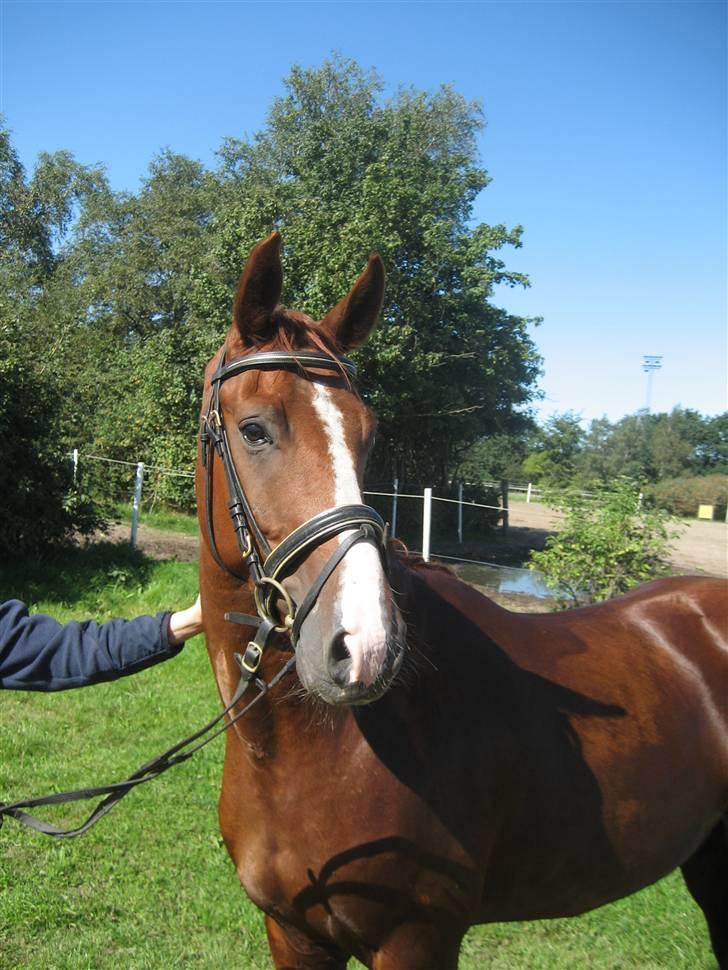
426 759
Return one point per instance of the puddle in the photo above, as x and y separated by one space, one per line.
504 579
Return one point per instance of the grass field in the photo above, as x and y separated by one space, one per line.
166 519
151 886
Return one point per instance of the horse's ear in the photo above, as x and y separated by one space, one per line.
257 295
353 318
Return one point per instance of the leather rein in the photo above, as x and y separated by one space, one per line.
265 568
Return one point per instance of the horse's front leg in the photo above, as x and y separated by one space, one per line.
292 950
419 946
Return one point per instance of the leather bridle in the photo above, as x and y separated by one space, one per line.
266 568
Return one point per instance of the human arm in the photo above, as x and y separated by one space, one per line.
186 623
38 653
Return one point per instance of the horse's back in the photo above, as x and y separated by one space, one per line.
659 651
680 622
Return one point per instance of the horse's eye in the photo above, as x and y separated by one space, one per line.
254 434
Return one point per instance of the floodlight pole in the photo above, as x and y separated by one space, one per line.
650 363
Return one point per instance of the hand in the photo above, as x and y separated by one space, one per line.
186 623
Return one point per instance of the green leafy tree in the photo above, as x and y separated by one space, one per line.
608 543
343 173
654 447
128 294
495 458
554 451
40 505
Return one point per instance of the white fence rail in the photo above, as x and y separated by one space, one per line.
426 497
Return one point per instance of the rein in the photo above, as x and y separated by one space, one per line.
115 791
265 567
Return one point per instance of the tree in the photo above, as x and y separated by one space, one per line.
342 173
132 292
608 544
555 450
654 447
495 458
39 505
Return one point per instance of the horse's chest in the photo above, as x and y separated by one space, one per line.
349 860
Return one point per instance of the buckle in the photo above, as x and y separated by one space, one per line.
250 660
263 603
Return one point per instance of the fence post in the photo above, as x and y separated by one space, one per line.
426 524
74 455
528 493
460 513
393 525
504 503
136 502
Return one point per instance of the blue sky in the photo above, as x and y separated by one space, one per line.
606 140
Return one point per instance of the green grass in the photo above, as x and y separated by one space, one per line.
164 519
151 886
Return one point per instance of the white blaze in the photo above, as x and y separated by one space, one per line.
361 581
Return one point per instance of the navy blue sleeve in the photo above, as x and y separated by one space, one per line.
38 653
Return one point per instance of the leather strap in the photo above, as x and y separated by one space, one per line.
318 530
115 791
361 535
278 359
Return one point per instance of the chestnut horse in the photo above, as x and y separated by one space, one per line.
512 767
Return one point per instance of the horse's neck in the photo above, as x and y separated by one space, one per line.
428 591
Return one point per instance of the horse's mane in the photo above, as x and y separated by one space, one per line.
414 561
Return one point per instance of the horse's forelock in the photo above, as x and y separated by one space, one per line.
292 330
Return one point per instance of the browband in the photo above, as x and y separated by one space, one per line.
300 359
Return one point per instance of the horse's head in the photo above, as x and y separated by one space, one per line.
297 436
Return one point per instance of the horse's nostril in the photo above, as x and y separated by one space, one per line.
339 661
339 650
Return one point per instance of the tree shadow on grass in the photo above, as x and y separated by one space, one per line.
74 571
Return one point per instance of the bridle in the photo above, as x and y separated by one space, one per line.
266 567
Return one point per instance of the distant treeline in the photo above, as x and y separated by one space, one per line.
679 459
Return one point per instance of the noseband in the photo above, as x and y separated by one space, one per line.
265 566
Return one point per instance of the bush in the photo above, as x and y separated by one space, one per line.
40 506
608 544
682 496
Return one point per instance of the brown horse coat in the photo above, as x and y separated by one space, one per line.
520 767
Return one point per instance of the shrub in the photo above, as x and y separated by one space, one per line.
39 504
608 544
682 496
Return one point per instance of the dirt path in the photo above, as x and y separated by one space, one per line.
701 547
157 543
